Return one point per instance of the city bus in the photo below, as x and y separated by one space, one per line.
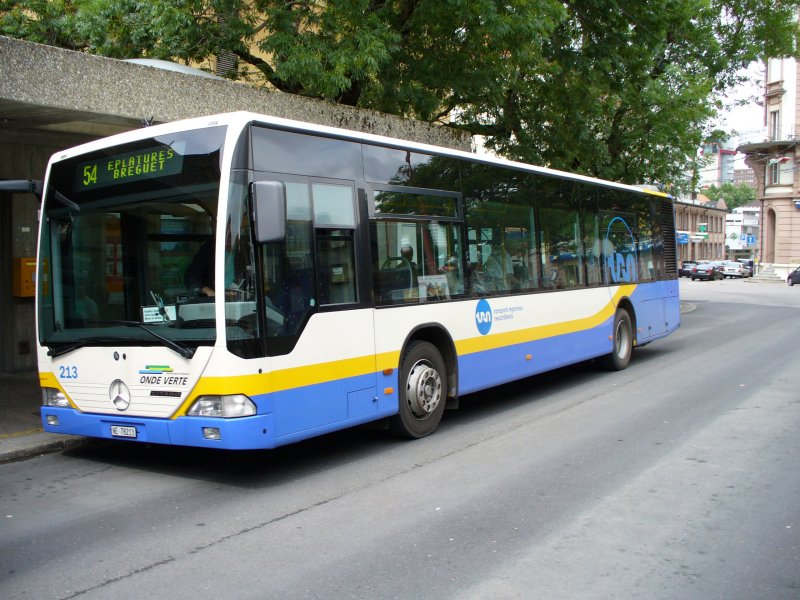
244 282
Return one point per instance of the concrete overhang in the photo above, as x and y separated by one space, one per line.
51 90
25 118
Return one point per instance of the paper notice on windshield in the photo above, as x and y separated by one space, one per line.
152 314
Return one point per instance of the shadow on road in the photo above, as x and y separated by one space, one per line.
265 468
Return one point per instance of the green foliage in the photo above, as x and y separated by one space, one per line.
622 91
49 22
629 88
735 195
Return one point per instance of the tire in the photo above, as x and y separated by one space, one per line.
622 335
422 390
790 281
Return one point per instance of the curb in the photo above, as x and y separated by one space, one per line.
37 444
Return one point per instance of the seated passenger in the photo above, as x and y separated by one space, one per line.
499 269
407 252
199 276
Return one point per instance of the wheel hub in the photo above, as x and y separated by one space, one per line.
623 340
423 389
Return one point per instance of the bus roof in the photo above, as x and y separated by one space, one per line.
240 119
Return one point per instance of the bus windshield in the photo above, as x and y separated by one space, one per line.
127 245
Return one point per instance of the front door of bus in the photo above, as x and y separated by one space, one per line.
323 346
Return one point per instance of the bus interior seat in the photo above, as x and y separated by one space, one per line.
394 283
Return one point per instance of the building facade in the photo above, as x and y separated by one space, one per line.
719 162
742 232
774 161
700 229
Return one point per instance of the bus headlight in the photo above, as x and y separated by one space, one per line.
236 405
54 397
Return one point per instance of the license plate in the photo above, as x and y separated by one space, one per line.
123 431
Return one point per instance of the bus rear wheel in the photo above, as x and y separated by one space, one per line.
623 342
423 386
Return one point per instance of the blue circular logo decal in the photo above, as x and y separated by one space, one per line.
483 317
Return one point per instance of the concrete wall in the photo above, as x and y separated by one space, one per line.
45 76
52 99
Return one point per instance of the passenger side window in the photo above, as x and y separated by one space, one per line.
651 240
591 261
416 262
502 255
501 258
334 220
620 257
562 247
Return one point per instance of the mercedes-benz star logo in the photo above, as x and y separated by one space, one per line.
119 394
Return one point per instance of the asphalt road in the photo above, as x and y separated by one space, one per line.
675 479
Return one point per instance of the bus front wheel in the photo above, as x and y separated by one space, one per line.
622 337
423 385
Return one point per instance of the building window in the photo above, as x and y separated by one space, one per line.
773 173
774 70
774 125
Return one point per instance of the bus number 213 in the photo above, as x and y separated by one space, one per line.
67 372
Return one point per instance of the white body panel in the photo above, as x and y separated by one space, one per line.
158 379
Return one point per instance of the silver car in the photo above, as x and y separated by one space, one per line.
735 269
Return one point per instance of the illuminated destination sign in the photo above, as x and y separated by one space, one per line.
128 167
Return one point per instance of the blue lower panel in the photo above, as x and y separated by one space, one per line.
657 307
309 407
236 434
284 417
482 370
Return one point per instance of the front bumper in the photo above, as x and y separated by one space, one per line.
243 433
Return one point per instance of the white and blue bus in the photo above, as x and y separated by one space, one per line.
241 281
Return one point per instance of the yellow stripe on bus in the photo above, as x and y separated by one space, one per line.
276 381
296 377
287 378
531 334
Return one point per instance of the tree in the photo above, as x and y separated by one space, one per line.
628 92
616 90
735 195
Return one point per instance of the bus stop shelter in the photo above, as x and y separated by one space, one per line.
53 99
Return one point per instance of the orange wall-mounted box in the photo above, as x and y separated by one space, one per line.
24 285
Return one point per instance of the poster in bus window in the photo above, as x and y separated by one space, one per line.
433 287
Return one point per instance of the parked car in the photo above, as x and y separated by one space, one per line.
685 269
707 271
735 269
794 277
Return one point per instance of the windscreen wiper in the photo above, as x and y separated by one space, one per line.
58 351
64 349
184 351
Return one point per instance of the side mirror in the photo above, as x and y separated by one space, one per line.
269 210
29 186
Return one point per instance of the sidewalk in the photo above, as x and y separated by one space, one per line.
21 433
